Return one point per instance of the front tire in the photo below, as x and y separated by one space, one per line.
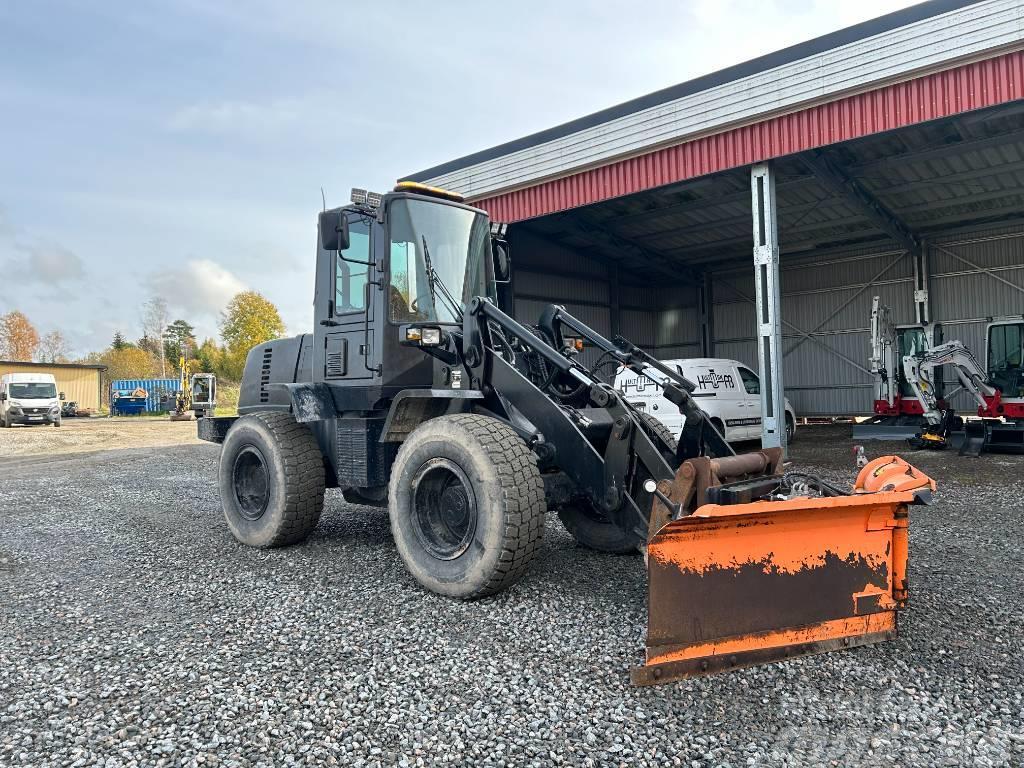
790 429
271 480
466 505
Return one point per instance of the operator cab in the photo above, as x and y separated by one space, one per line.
393 274
1005 357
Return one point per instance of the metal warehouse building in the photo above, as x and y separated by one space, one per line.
884 159
81 383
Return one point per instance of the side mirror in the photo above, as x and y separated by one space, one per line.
61 395
3 396
333 230
502 261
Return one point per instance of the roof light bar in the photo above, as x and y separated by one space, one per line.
424 189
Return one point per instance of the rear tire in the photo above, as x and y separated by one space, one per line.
466 505
271 480
790 429
591 528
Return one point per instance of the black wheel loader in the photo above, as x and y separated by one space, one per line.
416 392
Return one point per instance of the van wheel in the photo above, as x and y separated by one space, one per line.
271 480
790 429
466 505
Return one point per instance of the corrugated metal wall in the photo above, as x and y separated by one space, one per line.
828 298
664 320
826 307
964 295
79 384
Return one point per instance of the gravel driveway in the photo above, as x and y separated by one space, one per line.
135 631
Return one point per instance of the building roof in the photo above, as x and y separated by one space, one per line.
906 45
736 72
54 365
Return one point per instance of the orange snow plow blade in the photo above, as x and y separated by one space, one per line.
735 585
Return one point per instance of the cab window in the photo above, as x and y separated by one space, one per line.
350 277
750 381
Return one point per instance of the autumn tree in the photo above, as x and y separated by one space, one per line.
154 323
53 348
149 344
129 363
19 340
209 355
248 320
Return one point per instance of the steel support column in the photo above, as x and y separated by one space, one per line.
707 316
769 307
614 300
922 304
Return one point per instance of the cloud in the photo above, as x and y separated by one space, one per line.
44 263
234 117
199 288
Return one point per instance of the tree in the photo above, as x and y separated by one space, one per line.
149 344
154 323
248 320
53 348
209 356
119 341
179 340
129 363
19 339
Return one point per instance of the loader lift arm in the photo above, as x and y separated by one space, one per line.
611 477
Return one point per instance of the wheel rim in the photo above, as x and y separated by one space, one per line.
444 510
251 482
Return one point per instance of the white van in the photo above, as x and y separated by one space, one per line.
29 398
728 391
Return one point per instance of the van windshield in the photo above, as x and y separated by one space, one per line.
32 391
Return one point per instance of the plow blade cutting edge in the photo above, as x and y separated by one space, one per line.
735 585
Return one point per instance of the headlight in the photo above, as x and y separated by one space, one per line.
424 336
55 409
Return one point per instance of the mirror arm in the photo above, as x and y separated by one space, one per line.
356 261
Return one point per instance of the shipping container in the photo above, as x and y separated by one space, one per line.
160 393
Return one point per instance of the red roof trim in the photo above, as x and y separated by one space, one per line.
969 87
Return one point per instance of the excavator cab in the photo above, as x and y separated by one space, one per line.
1005 358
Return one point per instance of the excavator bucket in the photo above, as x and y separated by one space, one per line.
733 585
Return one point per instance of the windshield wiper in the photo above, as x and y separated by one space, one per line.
437 286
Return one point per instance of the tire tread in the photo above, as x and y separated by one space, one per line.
304 467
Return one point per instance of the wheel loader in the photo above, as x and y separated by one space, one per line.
417 392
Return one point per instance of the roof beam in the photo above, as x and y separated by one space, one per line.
839 180
582 222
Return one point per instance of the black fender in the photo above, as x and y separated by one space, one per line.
411 407
307 401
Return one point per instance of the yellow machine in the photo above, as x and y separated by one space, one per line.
197 392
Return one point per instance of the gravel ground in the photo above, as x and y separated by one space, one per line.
135 631
95 434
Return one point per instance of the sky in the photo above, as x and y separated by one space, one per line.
179 148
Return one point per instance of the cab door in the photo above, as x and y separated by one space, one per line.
348 349
750 396
717 393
